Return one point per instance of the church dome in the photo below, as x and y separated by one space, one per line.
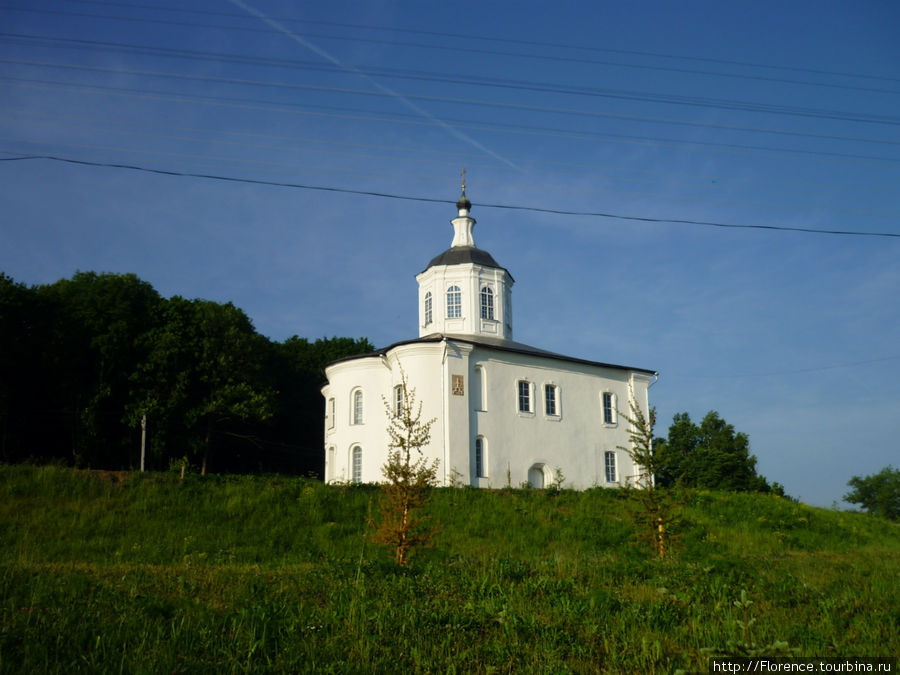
459 255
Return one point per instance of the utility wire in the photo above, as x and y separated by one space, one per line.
358 170
530 43
222 57
554 88
644 175
400 118
388 195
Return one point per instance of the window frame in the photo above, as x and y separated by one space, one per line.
357 407
399 397
554 388
329 413
480 457
608 411
454 302
610 465
487 303
356 463
429 306
524 394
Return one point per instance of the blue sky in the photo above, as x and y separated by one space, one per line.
763 113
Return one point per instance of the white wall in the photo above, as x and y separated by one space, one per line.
575 440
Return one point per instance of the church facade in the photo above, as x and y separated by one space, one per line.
505 413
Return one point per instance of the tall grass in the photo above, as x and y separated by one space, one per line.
143 573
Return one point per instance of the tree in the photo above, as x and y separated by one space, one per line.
878 493
409 476
654 507
711 455
94 324
202 371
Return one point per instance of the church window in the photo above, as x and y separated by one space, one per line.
357 464
524 396
609 408
357 406
428 308
551 400
329 413
487 303
480 457
610 466
398 400
454 302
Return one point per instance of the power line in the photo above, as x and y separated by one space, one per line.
530 43
546 187
245 59
648 173
387 195
537 87
357 114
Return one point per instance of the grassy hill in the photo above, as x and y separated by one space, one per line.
142 573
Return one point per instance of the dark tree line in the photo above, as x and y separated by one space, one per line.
83 360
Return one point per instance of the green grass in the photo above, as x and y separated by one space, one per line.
257 574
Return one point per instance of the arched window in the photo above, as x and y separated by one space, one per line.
356 470
480 457
487 303
454 303
609 408
398 400
329 413
428 308
357 407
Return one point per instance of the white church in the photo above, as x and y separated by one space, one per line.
505 413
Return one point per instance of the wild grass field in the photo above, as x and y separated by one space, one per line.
143 573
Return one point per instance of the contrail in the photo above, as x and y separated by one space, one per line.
409 104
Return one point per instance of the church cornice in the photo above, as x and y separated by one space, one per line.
492 343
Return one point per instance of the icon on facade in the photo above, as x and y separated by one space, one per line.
457 385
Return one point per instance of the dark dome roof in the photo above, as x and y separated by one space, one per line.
459 255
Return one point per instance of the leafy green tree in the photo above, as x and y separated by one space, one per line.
878 493
202 374
709 455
